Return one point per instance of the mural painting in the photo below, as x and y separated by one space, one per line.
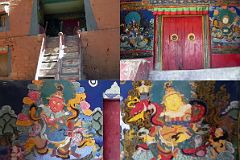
225 29
137 30
226 2
178 2
53 120
179 120
130 1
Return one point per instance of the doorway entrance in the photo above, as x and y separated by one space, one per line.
182 43
65 16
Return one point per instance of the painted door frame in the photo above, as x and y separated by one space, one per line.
158 39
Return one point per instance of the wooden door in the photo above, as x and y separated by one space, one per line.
182 43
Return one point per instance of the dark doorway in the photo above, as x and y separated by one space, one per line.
53 27
63 16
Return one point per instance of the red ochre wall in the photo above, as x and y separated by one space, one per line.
24 48
225 60
101 56
101 59
106 13
111 129
19 18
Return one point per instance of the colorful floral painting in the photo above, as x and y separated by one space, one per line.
137 31
226 2
225 29
179 120
130 1
52 119
178 2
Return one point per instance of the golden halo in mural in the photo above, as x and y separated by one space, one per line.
191 37
174 37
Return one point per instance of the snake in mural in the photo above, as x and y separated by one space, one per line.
51 123
173 129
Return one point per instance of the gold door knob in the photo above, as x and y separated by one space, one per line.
191 37
174 37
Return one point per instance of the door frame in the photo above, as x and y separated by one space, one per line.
158 42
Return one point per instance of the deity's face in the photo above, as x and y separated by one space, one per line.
225 20
56 104
173 102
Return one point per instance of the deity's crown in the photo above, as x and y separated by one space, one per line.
169 90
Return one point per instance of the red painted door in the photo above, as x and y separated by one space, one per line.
182 43
70 26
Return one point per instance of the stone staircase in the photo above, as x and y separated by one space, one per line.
48 64
60 61
71 66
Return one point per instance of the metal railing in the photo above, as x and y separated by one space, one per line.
61 54
42 52
80 55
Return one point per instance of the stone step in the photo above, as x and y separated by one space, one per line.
52 41
48 65
53 58
52 50
70 77
71 55
71 43
52 45
70 70
47 72
51 54
70 37
70 62
71 49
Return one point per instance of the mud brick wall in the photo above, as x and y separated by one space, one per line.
106 13
101 55
24 56
19 18
24 48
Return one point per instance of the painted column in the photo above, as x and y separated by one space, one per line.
111 121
